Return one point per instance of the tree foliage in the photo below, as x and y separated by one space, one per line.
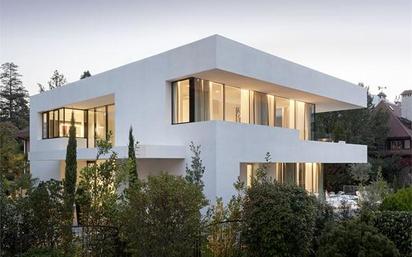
278 220
14 105
354 238
85 74
397 226
31 220
12 160
399 201
224 226
97 196
132 161
56 80
163 217
194 173
70 177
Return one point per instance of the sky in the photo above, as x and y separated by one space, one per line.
367 41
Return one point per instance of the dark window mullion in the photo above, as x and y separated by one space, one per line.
191 100
107 122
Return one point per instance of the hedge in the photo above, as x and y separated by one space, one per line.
399 201
397 226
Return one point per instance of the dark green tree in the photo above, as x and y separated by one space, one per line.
12 161
70 177
132 162
13 96
354 238
367 126
56 80
85 74
194 173
278 220
163 217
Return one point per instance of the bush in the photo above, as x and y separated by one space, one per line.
324 216
278 220
162 217
43 252
397 226
354 239
399 201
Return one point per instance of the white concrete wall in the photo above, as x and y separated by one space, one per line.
142 96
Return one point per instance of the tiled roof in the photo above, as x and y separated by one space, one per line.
399 127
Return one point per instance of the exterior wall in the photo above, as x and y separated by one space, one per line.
141 92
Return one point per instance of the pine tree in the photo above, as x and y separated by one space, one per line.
85 74
132 157
56 80
13 96
70 177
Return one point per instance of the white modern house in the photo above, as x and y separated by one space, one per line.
235 101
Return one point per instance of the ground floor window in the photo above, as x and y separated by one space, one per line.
306 175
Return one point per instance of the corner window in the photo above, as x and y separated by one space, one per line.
93 124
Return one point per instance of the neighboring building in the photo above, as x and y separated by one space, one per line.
399 138
237 102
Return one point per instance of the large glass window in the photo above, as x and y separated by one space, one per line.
50 124
111 122
44 125
100 120
195 99
271 110
181 101
306 175
300 119
309 121
90 129
207 101
261 108
233 101
93 124
282 112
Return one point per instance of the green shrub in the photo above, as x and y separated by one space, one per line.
399 201
354 239
43 252
324 216
162 217
397 226
278 220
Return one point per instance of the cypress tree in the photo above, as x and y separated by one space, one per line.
70 177
132 157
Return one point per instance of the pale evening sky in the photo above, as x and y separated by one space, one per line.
366 41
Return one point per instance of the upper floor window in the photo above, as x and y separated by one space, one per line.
195 99
399 144
56 123
92 124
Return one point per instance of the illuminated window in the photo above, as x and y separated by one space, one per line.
195 99
94 123
181 102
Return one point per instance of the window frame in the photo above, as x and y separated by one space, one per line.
252 111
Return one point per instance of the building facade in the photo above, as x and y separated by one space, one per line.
399 140
235 101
